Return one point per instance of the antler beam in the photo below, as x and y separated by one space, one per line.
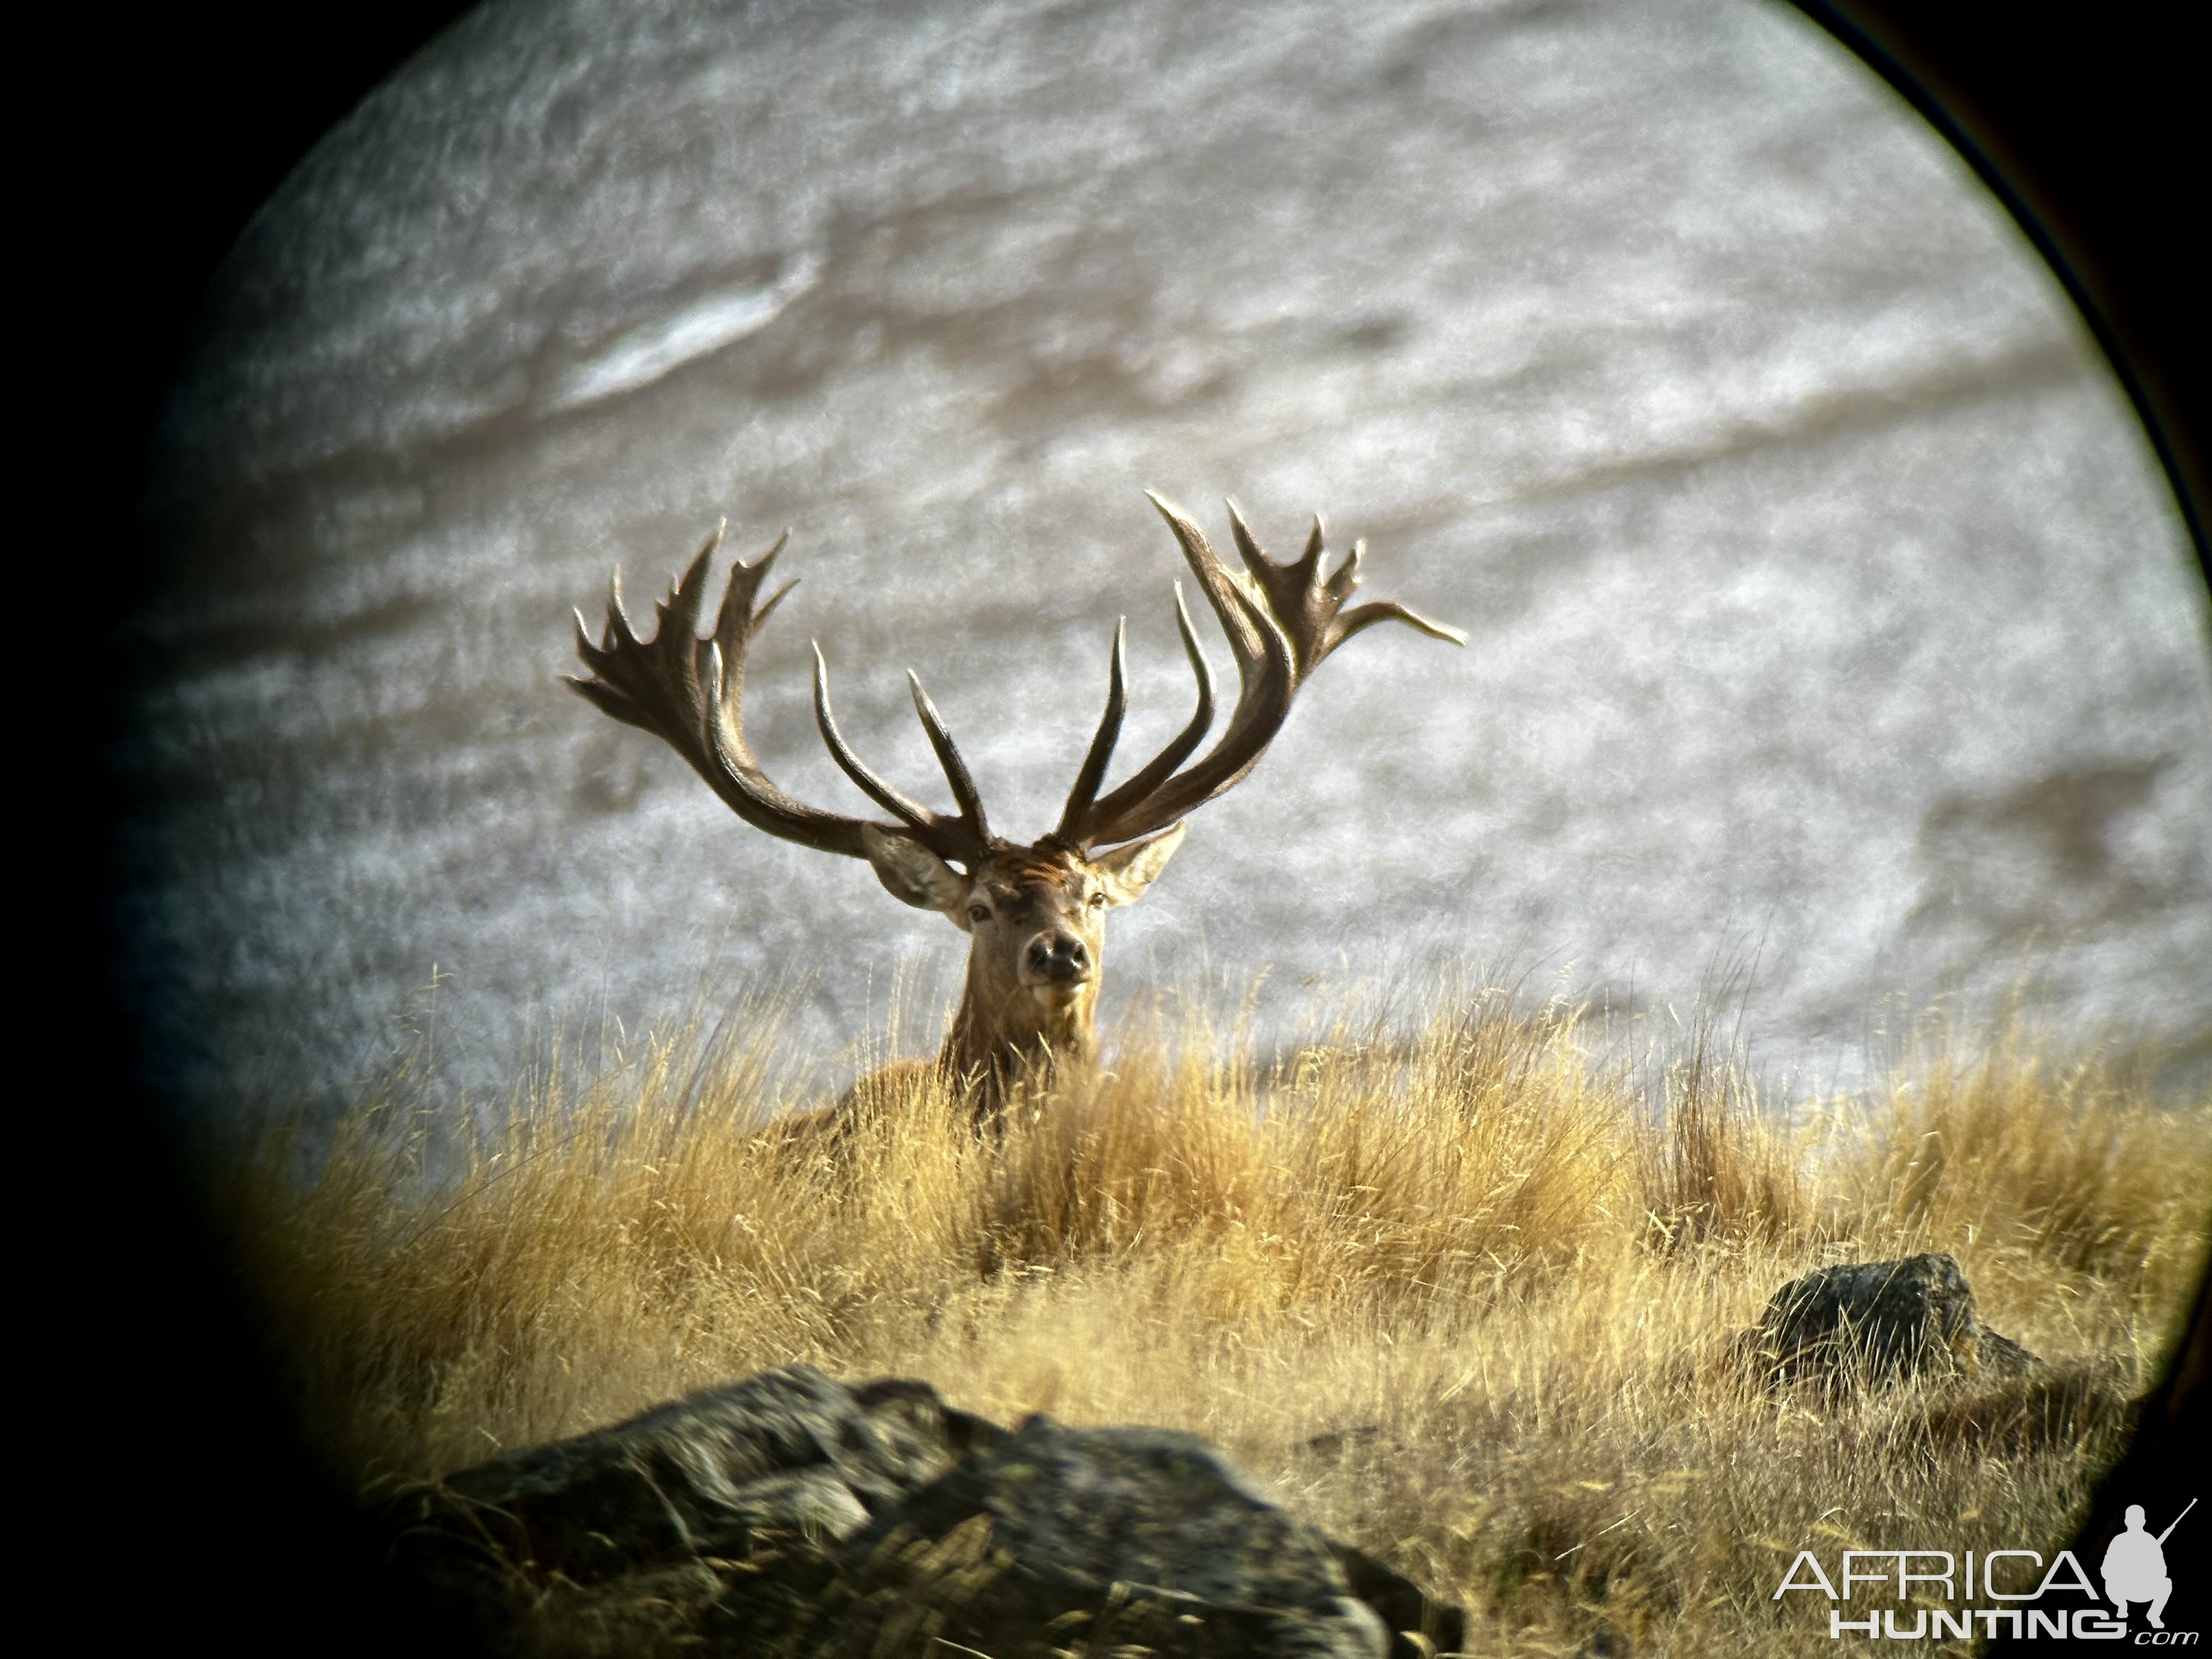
689 691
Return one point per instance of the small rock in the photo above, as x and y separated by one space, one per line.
1881 1320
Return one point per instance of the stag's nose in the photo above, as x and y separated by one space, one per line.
1059 956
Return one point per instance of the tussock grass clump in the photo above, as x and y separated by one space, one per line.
1466 1293
2065 1164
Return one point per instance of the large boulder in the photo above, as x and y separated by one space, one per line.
789 1514
1878 1321
1144 1538
786 1451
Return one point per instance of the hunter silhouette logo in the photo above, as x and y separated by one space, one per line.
2134 1567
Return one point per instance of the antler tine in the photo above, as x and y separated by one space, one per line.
1366 616
1102 742
1347 573
680 610
617 626
1214 580
916 815
1281 621
736 621
1162 766
1248 549
948 757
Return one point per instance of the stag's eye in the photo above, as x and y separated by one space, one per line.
1098 901
979 913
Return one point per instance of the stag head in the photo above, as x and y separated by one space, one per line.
1036 914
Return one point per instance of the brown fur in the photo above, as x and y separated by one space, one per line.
1035 920
1008 1021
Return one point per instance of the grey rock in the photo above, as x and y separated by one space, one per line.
799 1516
1151 1538
2001 1356
1877 1322
786 1451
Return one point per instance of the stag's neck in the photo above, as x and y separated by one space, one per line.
998 1036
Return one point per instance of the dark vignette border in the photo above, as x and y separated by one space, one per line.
185 1507
172 1505
2084 133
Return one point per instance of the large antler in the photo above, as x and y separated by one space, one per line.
691 692
1281 621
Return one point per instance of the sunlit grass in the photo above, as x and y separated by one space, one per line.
1461 1288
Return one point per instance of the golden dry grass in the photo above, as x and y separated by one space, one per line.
1462 1293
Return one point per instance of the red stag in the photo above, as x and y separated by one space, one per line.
1035 915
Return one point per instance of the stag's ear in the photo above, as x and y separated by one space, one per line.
912 874
1126 871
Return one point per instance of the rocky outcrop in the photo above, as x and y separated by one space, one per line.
788 1514
1878 1321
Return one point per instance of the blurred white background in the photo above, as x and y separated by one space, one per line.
1826 604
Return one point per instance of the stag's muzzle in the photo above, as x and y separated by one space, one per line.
1055 958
